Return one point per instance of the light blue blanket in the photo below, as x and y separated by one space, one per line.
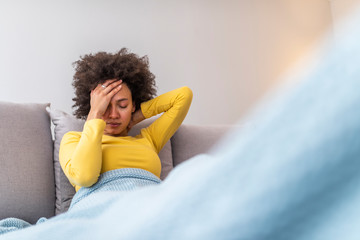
293 174
87 202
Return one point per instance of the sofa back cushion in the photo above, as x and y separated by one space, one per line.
26 153
190 140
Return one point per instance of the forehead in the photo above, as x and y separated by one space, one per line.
124 93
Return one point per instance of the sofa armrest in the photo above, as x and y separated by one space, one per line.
27 187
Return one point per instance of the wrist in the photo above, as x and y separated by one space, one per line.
93 115
139 116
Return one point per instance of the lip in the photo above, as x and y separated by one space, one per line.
113 124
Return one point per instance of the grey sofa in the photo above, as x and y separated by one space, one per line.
32 184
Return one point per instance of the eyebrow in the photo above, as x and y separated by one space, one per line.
122 99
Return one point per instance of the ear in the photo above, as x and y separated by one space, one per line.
133 107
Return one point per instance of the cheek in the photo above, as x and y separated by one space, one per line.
126 115
105 116
129 114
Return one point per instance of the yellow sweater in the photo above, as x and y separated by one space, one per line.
85 155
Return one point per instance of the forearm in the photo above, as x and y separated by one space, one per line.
174 105
81 155
94 115
137 117
178 101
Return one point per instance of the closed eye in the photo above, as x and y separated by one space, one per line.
122 106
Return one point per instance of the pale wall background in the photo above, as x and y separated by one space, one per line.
229 52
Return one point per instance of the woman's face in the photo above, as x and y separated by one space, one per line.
118 114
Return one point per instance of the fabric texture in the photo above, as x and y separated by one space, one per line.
12 224
26 172
86 201
119 180
189 140
63 123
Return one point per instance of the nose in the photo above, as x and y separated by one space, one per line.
113 113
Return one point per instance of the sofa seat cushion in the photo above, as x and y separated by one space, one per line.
26 153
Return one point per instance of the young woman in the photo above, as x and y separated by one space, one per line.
113 93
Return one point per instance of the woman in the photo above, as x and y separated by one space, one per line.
113 93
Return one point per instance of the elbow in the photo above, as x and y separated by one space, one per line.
82 178
86 181
187 92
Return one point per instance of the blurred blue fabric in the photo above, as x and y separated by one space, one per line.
294 175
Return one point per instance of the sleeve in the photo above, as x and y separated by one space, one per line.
174 105
80 154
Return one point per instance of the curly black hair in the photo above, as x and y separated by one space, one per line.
94 69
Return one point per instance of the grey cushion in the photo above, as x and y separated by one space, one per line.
190 140
63 123
26 153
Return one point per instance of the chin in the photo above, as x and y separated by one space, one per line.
115 132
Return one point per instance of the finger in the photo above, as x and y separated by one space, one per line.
115 90
110 81
107 88
99 88
114 84
104 85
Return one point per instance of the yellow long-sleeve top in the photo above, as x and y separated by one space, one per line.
85 155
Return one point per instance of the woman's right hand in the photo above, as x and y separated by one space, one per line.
100 97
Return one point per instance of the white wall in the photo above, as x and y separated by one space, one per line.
229 52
